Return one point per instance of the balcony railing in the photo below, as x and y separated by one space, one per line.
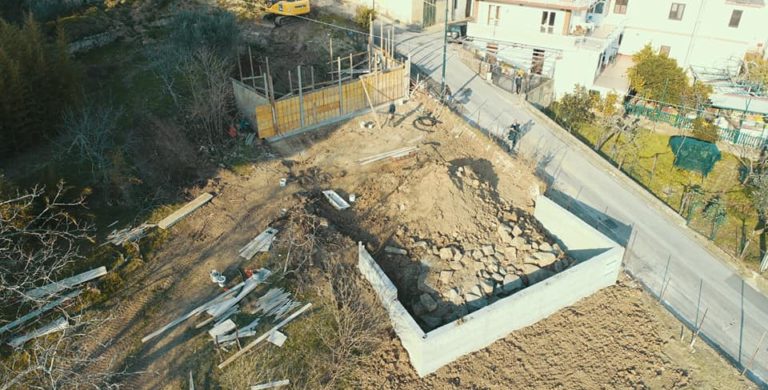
554 41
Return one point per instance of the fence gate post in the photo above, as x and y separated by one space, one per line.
341 91
301 98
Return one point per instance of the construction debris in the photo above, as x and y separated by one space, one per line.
395 251
219 309
261 243
193 313
336 201
264 336
276 302
393 154
277 338
271 385
120 237
230 338
64 284
218 278
35 313
222 328
55 326
184 211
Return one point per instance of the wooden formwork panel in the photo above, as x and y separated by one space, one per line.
264 121
324 104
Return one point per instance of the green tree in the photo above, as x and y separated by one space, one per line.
705 130
574 110
37 79
658 77
364 16
755 70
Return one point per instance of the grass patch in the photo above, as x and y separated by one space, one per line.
650 162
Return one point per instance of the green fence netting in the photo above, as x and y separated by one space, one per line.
692 154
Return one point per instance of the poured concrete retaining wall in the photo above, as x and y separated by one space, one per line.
430 351
246 99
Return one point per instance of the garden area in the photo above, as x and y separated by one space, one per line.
722 192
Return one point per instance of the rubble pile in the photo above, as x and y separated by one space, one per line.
460 272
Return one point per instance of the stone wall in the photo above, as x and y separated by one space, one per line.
598 267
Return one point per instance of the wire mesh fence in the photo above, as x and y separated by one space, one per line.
729 315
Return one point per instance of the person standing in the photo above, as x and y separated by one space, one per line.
518 81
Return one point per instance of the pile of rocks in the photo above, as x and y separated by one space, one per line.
461 276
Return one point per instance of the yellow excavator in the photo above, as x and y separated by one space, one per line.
285 11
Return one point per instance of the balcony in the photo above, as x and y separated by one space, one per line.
558 4
597 39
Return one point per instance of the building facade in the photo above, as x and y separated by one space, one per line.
422 13
578 42
569 41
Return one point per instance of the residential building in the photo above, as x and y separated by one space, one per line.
590 42
423 13
704 33
571 41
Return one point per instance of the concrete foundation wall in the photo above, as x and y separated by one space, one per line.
428 352
526 307
574 235
246 100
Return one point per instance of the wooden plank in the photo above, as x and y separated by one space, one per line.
64 284
184 211
271 385
263 336
260 243
35 313
56 326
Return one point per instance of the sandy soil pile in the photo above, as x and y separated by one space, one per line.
466 246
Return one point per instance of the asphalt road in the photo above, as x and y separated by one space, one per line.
663 254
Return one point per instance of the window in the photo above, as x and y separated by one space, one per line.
735 18
676 11
548 22
494 14
620 7
664 50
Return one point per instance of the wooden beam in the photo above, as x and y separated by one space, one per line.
56 326
370 104
35 313
263 336
64 284
184 211
271 385
193 313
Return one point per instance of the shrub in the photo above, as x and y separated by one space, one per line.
705 130
364 16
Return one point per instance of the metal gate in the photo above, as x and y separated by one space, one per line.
430 10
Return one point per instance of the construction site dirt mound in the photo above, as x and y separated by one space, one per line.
613 339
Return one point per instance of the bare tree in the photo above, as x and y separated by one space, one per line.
39 239
57 361
210 98
89 136
356 328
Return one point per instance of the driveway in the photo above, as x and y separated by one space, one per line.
695 284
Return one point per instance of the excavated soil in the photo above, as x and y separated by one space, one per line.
612 339
423 204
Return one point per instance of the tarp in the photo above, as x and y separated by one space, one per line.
693 154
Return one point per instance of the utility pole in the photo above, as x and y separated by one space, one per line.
445 51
